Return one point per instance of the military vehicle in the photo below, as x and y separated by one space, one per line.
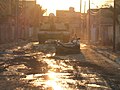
53 30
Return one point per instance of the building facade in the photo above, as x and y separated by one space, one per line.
16 17
71 19
101 27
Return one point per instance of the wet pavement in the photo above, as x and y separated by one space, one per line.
36 67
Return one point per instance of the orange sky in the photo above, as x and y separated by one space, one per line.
53 5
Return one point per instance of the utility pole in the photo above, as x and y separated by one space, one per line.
25 18
89 30
114 27
84 7
84 26
80 6
16 31
80 18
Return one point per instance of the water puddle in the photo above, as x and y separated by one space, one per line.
14 70
61 75
48 72
97 86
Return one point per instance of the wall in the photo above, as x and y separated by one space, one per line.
16 18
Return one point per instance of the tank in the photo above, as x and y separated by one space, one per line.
58 31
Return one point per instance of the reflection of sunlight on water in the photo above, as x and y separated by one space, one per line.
18 47
97 86
52 63
14 70
36 43
28 77
83 45
53 79
52 75
53 82
50 55
38 80
54 85
60 75
53 54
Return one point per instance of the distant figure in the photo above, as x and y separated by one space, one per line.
75 40
74 37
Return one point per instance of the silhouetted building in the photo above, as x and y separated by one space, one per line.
70 18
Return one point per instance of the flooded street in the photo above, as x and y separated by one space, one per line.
36 67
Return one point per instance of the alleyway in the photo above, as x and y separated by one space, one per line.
36 67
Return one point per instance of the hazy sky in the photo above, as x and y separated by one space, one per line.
53 5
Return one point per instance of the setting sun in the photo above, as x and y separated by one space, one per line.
53 5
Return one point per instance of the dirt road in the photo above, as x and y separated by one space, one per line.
36 67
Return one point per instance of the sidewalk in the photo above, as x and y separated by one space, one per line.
107 52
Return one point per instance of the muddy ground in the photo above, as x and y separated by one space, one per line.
36 67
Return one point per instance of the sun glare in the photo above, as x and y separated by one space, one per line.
53 5
54 85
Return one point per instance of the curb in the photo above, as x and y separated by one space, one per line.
107 54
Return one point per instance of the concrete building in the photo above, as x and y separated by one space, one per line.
105 26
71 19
91 26
30 18
101 27
16 16
6 20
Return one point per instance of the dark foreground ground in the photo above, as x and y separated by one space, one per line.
36 67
